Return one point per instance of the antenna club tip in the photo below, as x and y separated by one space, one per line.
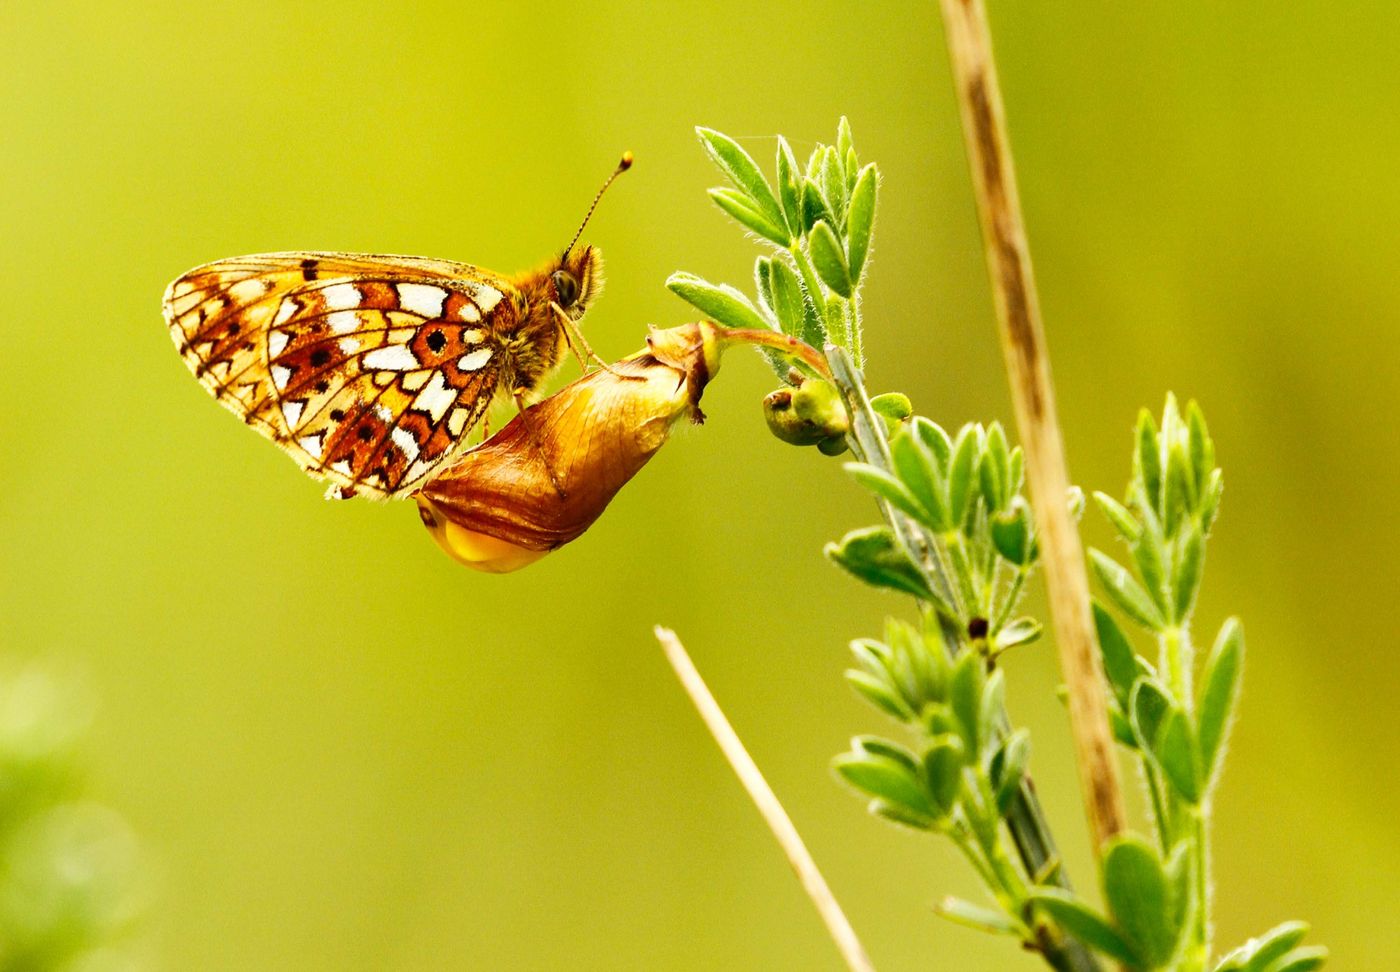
626 162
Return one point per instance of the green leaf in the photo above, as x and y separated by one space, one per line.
1119 659
1015 754
1082 922
834 185
1179 869
994 469
845 142
918 471
787 303
888 488
1210 500
902 815
1140 898
1011 532
1220 691
874 556
790 188
992 706
829 260
1175 750
1116 513
931 434
965 697
879 694
885 779
741 208
860 221
960 475
1200 446
982 919
894 406
1148 707
1125 592
1152 568
1147 461
1300 960
1181 490
943 766
1186 573
741 169
814 208
1260 953
719 301
1022 631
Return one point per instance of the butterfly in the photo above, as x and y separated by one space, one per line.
371 369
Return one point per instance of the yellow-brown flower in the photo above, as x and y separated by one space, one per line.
543 479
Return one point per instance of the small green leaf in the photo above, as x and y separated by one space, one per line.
888 488
1186 573
931 434
828 259
1152 568
994 469
943 765
1181 489
879 694
1022 631
1116 513
960 474
1015 754
885 779
719 301
790 188
1300 960
902 815
860 221
1125 592
1200 446
834 185
1119 659
1082 922
845 142
965 697
814 208
1220 691
1262 952
918 471
1175 750
1210 500
1139 898
1179 869
743 171
742 209
1148 705
874 556
992 706
894 406
982 919
1011 532
787 303
1147 461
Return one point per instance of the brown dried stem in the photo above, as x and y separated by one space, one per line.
1028 367
767 802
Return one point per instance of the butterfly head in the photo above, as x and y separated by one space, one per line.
577 281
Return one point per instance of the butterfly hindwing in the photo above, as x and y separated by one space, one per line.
369 370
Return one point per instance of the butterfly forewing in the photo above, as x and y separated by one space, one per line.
369 370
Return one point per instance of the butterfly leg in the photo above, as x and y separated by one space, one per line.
572 334
535 443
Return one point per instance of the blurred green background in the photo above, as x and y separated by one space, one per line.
340 750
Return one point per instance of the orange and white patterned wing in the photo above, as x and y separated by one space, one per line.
369 370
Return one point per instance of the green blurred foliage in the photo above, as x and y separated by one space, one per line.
348 752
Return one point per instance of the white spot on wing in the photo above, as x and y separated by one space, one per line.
343 322
342 296
457 421
422 299
475 360
348 346
473 336
486 295
342 467
435 398
280 376
406 442
277 342
247 291
288 308
469 313
395 357
415 380
312 444
292 412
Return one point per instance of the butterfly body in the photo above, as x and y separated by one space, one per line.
371 370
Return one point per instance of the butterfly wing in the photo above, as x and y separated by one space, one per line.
368 370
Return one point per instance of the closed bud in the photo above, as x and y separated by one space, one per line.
809 414
541 481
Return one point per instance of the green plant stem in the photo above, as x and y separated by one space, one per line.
1008 604
1030 831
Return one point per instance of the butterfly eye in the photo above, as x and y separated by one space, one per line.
565 286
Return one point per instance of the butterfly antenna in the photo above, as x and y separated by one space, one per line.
622 167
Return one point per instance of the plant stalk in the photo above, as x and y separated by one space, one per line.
1028 367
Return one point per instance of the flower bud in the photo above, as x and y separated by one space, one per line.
545 477
809 414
